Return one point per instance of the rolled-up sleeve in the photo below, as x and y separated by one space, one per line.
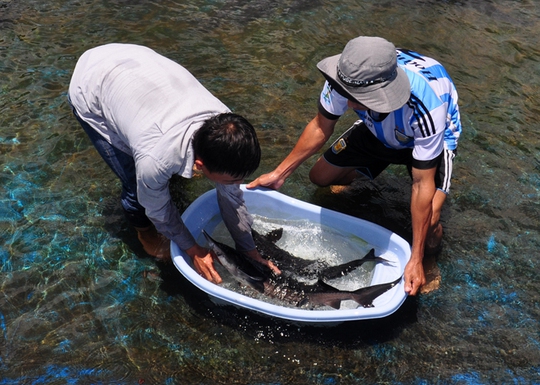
235 215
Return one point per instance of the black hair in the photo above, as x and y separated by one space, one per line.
227 144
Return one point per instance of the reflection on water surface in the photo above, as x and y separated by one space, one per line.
81 304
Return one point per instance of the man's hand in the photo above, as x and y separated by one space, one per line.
271 180
414 276
254 254
203 261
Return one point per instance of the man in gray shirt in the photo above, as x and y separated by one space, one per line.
149 119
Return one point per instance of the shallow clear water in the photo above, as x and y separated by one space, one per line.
79 302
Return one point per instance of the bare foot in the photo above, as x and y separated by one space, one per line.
336 189
434 240
432 249
433 274
154 243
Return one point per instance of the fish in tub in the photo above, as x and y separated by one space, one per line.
332 268
290 286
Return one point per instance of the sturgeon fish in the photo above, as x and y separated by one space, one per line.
284 287
266 244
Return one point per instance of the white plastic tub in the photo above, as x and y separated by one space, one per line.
203 214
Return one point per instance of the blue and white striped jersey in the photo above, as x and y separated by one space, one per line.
427 123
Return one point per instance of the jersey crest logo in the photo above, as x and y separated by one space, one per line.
402 138
326 94
339 146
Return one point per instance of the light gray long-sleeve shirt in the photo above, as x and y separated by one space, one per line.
149 107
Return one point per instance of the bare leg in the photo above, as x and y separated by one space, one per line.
433 246
154 243
324 174
435 232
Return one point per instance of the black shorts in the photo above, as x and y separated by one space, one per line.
359 148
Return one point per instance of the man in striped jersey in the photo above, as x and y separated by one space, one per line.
409 115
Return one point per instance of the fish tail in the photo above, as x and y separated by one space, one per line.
370 256
320 300
333 272
366 295
361 299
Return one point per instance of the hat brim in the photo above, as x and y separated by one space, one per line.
382 97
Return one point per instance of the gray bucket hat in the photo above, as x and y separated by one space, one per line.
367 71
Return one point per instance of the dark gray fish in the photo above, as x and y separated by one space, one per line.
239 265
259 277
266 244
333 297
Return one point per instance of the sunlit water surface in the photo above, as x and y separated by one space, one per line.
80 303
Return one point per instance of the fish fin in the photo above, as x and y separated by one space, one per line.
326 286
258 285
274 235
338 271
302 302
370 256
366 295
335 303
254 282
252 276
364 301
257 279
